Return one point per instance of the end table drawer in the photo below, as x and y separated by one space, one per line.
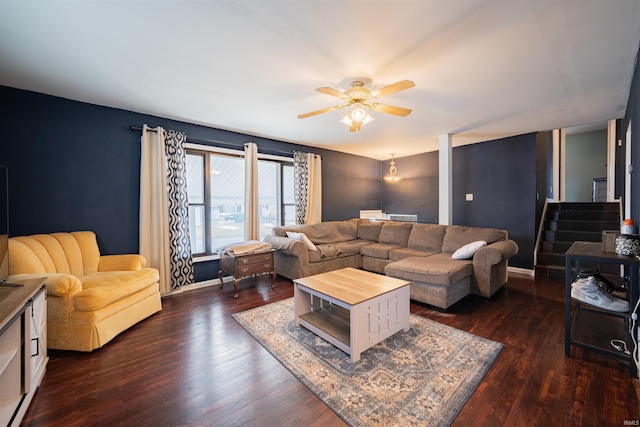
262 267
253 259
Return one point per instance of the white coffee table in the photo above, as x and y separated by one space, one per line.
352 309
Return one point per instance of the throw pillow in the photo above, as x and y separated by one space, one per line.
303 238
468 250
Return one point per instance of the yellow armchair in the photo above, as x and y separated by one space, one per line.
91 298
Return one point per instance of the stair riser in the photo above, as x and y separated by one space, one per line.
580 226
584 216
584 206
572 236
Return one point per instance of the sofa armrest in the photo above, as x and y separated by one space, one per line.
289 246
125 262
495 252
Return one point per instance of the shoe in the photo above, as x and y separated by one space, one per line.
588 291
588 282
618 291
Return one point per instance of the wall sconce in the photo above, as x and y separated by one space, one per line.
356 118
393 170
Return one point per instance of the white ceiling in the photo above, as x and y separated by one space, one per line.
483 69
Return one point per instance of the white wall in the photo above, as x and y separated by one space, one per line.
585 159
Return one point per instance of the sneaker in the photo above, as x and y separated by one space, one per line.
589 282
589 292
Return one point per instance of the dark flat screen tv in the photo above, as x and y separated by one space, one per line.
4 223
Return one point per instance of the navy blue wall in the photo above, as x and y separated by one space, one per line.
633 116
501 175
75 166
417 192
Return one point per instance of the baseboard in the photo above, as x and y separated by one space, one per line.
198 285
524 271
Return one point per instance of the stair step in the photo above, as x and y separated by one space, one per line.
566 223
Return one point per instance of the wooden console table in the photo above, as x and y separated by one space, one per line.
592 252
241 266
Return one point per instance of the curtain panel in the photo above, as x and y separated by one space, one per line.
164 211
251 196
307 187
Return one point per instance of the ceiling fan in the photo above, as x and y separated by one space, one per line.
360 96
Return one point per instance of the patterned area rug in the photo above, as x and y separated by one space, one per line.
421 377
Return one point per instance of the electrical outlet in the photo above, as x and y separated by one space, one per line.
469 197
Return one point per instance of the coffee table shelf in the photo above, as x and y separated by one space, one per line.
333 320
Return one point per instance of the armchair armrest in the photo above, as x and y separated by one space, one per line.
57 284
125 262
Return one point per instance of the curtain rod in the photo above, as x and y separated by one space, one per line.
215 141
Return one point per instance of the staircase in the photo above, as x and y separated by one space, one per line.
564 223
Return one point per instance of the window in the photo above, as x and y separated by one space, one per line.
215 184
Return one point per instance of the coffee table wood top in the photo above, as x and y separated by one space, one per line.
350 285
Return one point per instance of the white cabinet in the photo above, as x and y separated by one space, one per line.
23 347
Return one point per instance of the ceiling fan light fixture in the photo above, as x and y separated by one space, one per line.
357 95
356 118
358 114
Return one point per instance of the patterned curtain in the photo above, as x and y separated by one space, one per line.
179 241
307 187
164 213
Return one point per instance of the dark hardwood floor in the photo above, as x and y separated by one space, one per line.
193 365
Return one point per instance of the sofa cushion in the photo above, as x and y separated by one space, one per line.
395 233
104 288
402 253
427 237
438 269
336 250
378 250
369 230
324 232
457 236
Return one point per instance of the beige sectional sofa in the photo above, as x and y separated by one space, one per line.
420 253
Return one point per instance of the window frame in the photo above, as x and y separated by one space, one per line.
205 151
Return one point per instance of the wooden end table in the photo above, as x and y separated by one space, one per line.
246 265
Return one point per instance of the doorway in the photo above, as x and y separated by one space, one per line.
584 151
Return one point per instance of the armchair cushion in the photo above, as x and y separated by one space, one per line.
104 288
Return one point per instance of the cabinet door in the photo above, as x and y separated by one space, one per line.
10 370
38 338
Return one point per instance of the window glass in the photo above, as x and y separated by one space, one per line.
226 176
195 198
288 195
268 196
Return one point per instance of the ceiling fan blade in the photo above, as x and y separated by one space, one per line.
393 88
390 109
315 113
331 91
